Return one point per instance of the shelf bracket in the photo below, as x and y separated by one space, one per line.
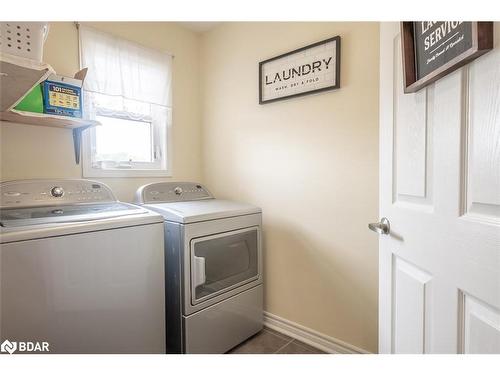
77 141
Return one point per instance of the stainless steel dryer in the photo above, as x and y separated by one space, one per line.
80 270
213 259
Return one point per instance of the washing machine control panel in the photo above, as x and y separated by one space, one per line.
172 192
28 193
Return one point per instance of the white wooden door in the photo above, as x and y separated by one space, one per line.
439 287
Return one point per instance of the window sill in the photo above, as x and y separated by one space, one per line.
94 172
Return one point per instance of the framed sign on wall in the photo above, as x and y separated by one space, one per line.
433 49
310 69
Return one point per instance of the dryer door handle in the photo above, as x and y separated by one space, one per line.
199 276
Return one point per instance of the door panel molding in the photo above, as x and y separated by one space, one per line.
411 307
412 148
481 109
479 330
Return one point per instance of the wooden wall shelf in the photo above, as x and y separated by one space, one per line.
46 120
17 77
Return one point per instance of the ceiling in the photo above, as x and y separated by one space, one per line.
199 27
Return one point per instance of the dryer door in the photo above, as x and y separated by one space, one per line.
223 262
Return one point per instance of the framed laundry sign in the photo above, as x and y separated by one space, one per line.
433 49
310 69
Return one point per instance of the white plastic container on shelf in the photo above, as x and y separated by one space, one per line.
24 39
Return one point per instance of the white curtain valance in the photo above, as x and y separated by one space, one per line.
118 67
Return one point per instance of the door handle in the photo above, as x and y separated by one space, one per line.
199 276
382 227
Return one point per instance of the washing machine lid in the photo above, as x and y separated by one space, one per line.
202 210
27 216
25 203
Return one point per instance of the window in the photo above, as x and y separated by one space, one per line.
128 90
135 143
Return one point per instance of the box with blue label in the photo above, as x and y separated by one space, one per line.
62 96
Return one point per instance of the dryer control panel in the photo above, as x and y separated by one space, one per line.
171 192
30 193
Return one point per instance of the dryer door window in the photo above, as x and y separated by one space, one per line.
223 262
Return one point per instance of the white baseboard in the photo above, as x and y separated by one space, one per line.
314 338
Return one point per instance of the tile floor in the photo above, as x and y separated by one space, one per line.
269 341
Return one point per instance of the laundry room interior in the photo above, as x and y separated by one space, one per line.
249 208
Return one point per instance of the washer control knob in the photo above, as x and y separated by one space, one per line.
57 191
178 190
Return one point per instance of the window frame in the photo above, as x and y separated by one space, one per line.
159 168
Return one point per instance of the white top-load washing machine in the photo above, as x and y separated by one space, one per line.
213 258
80 270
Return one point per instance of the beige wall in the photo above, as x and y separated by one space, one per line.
311 163
41 152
